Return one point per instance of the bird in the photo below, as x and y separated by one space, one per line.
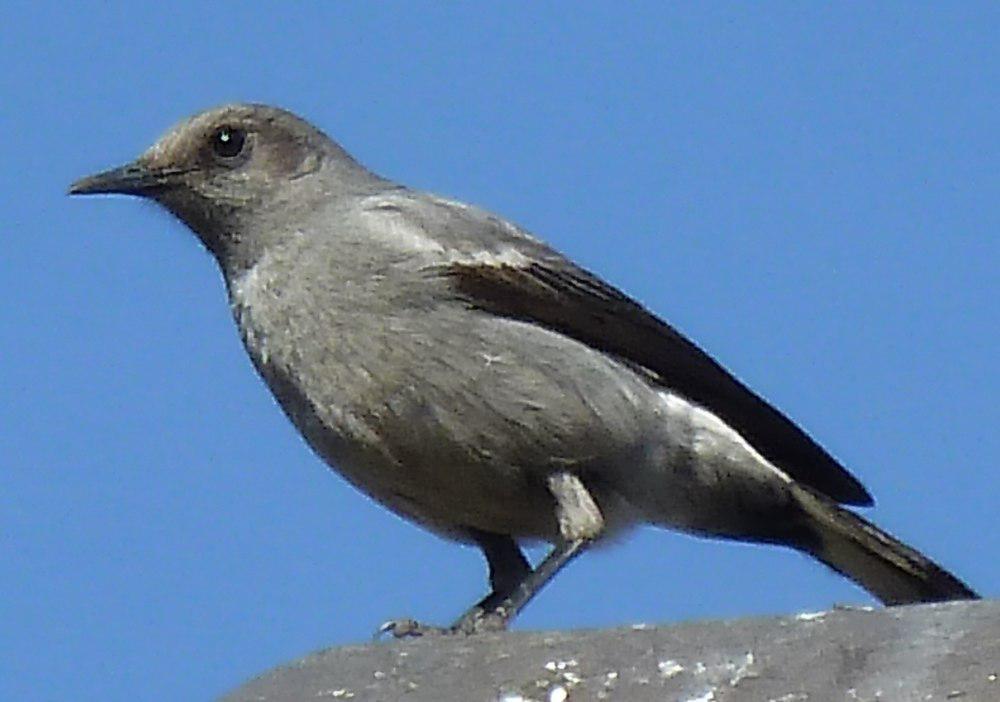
476 381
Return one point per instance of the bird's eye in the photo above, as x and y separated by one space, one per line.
228 142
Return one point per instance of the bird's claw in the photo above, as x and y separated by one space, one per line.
408 629
475 621
479 621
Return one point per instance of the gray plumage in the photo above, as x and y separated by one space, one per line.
474 380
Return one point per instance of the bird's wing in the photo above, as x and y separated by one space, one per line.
552 292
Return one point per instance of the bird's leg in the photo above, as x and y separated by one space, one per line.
510 607
580 522
508 569
513 581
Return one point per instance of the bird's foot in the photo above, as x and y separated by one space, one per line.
409 629
475 621
478 621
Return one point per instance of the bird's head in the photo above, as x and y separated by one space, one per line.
233 173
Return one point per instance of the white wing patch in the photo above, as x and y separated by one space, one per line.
386 219
504 257
711 439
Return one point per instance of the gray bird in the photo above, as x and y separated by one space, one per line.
477 382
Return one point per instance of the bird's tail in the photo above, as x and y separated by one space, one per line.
886 567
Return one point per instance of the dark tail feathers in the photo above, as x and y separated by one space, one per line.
889 569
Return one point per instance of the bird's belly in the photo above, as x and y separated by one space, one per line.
460 430
457 465
458 427
444 495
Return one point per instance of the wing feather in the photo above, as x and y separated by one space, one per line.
564 298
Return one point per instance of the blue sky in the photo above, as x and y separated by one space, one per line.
811 192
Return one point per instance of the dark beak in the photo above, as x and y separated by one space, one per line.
131 179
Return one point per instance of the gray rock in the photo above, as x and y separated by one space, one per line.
927 652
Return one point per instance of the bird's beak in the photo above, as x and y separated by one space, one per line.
133 178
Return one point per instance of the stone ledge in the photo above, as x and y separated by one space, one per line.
928 652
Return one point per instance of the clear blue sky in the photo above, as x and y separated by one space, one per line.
810 192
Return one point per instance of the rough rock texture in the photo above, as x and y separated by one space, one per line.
931 652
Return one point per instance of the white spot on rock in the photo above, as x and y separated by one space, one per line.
707 696
553 666
741 671
809 616
669 668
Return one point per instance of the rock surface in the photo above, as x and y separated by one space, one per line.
929 652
